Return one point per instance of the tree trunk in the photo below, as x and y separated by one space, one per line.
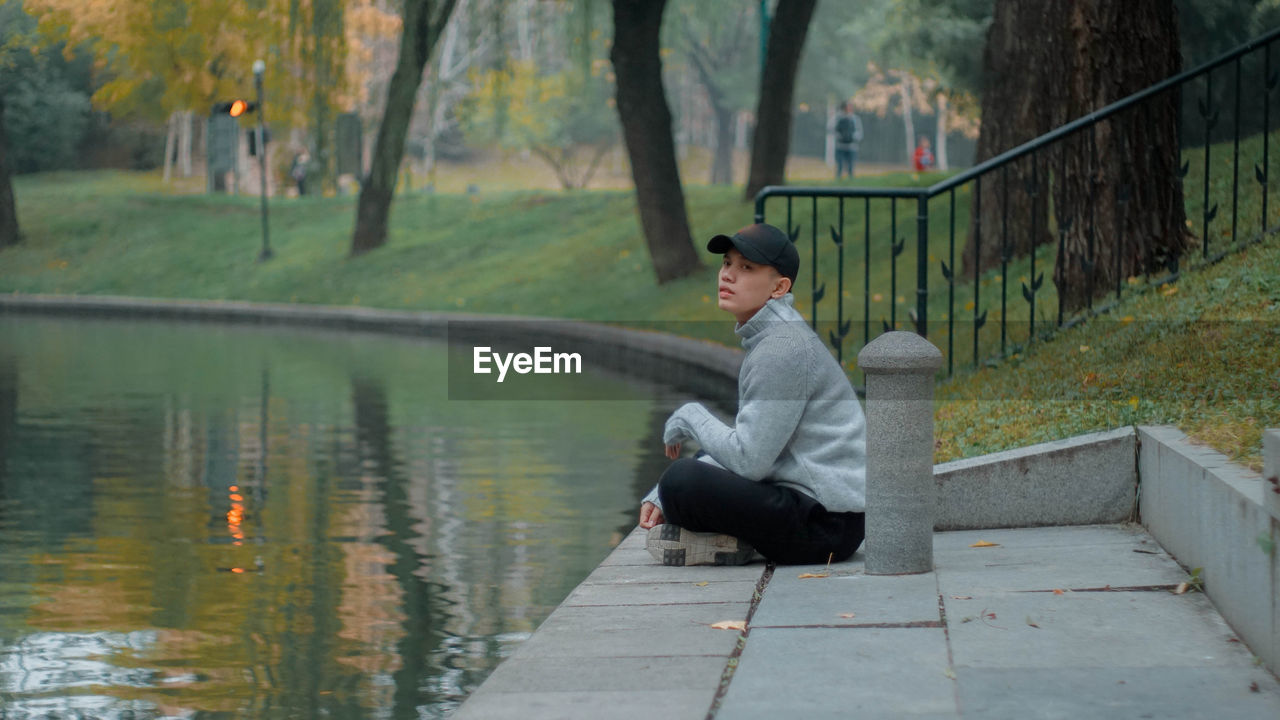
1132 220
722 168
186 122
1016 99
722 163
908 117
646 129
9 234
777 87
421 29
940 141
170 139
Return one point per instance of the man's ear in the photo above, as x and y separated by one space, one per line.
782 287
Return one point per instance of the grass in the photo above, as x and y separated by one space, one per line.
1196 357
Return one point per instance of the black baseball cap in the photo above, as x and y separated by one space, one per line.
763 244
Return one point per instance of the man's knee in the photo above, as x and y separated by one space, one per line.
678 480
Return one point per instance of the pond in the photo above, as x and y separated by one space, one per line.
214 521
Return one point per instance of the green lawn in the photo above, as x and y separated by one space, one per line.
581 255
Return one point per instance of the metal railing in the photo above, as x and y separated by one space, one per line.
935 228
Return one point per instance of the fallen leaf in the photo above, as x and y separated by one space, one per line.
701 584
846 615
984 543
1056 591
730 625
961 597
1032 623
805 576
1182 588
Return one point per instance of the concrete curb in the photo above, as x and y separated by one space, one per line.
696 366
1085 480
1209 514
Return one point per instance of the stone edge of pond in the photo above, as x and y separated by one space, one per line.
699 367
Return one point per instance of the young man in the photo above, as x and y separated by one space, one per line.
788 478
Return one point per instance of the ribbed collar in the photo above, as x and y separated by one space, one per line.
774 313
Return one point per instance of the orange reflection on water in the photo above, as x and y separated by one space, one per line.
235 516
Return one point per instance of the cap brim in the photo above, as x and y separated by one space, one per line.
721 244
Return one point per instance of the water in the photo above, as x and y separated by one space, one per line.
205 521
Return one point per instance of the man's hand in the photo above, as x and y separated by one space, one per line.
672 451
650 515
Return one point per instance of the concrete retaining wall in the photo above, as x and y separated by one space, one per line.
1209 513
1084 480
699 367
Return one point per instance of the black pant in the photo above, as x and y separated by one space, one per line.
784 525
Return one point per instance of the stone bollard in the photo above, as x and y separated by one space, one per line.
1271 471
900 487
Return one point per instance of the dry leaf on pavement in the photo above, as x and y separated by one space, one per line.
804 576
984 543
847 615
701 584
730 625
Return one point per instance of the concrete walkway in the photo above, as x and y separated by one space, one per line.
1057 622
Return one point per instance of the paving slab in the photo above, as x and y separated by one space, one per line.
633 705
847 597
697 589
1090 629
1052 558
654 573
1117 693
614 631
841 673
609 674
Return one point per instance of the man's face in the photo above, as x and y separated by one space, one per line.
745 286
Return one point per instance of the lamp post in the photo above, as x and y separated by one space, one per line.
259 68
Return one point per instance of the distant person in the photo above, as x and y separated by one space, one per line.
847 131
788 477
299 171
922 159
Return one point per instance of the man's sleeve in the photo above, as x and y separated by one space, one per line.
773 396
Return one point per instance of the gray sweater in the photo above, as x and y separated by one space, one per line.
799 423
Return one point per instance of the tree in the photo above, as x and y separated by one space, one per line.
1122 214
10 233
423 22
646 128
1135 214
772 139
1020 50
12 46
555 116
715 43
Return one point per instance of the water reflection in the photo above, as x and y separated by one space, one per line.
203 522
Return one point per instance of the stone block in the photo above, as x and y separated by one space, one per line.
1083 480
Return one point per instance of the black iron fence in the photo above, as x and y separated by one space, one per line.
972 306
